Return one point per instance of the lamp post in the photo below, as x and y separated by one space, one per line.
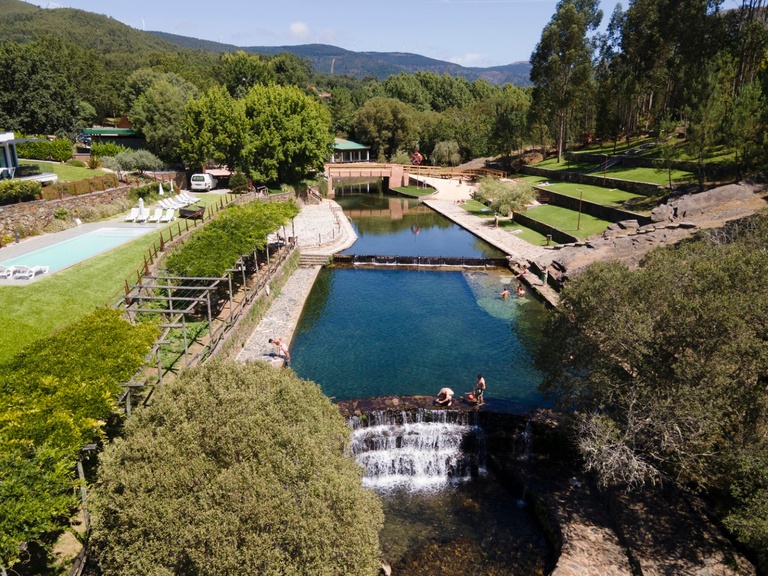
578 222
605 166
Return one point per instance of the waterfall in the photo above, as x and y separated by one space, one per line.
421 450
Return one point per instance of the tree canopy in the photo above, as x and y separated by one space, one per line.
235 469
665 369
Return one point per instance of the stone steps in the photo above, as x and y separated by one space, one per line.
308 260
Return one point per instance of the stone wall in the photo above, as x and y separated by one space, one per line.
643 188
31 218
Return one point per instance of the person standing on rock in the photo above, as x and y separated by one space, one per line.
479 389
282 349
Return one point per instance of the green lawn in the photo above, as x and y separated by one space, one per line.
596 194
566 220
621 146
566 166
65 172
482 211
414 191
530 236
651 175
30 312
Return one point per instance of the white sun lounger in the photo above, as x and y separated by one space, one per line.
155 217
143 215
28 272
131 217
6 272
168 216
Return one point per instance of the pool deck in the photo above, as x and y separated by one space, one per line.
32 243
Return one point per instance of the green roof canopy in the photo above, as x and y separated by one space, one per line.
346 145
109 131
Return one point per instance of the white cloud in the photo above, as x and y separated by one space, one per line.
299 30
469 59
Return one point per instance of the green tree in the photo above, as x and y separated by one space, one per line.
238 71
408 89
510 120
561 63
387 125
446 153
159 115
214 128
35 98
248 476
664 369
747 124
291 69
289 134
505 197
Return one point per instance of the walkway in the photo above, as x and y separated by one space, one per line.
321 230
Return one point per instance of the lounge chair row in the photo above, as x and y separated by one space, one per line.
165 212
146 215
21 272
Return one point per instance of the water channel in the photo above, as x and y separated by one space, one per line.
381 331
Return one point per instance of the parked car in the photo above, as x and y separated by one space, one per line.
203 182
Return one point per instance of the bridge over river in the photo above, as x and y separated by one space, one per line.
395 175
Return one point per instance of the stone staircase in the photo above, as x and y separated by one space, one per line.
309 260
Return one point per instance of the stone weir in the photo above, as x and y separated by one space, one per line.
613 532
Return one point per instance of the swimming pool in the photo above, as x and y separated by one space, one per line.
74 250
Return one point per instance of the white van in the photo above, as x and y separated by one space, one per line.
203 182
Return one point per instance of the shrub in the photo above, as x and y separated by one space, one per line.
60 213
56 395
93 162
248 476
12 191
77 163
400 157
102 149
238 183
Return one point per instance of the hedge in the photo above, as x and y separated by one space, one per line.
12 191
59 150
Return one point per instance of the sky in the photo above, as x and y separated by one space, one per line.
478 33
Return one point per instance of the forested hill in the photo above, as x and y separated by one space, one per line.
332 59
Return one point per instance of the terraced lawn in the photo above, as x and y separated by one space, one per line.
596 194
568 220
482 211
651 175
65 172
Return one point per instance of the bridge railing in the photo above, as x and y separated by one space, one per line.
376 170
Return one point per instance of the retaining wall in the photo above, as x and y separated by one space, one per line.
642 188
608 213
557 235
31 218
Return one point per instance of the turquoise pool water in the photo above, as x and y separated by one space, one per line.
367 332
74 250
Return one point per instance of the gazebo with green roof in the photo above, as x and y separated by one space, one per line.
348 151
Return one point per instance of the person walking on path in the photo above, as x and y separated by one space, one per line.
282 349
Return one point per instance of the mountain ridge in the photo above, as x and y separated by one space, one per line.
331 59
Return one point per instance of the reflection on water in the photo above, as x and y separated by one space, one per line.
374 332
474 528
397 226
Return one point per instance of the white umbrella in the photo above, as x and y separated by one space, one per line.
141 205
160 191
171 186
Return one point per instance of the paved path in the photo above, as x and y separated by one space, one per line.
320 230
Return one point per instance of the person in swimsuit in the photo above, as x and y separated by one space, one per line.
479 389
282 349
444 397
